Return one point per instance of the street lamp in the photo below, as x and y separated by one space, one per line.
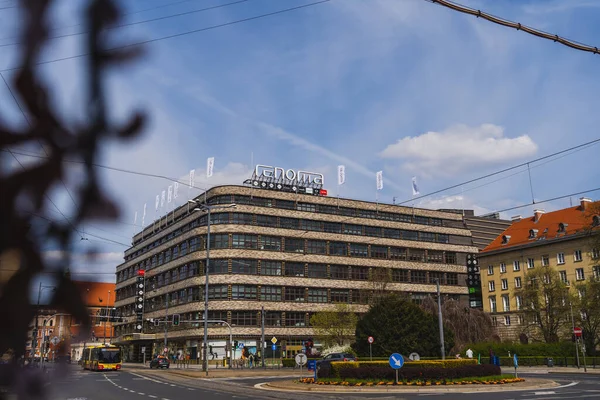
208 209
106 317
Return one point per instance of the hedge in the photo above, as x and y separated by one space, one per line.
291 362
337 366
561 349
416 372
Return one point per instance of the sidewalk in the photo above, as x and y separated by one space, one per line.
550 370
195 371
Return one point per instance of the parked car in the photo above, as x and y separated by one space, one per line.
160 362
335 357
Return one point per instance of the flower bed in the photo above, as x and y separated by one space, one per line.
481 380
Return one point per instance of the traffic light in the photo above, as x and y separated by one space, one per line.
156 322
176 318
139 299
308 345
235 343
474 281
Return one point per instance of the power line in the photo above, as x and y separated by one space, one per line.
547 200
139 22
501 171
520 27
182 33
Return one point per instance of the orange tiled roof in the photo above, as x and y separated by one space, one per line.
575 219
95 294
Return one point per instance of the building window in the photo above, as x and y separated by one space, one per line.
493 304
295 319
451 278
316 247
339 272
596 270
518 282
505 303
271 268
434 276
294 245
504 284
595 254
418 276
218 266
217 292
219 218
338 249
399 275
360 296
359 250
435 256
516 265
219 241
288 223
317 270
194 243
391 233
579 274
317 296
577 255
350 229
340 296
244 241
507 320
563 276
560 258
372 231
244 318
270 243
519 302
307 207
243 292
491 286
530 263
545 261
270 293
242 219
272 318
379 251
294 269
332 227
266 220
502 268
397 253
360 273
310 225
295 294
244 267
450 257
490 270
416 255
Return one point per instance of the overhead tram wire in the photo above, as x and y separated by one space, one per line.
256 17
520 27
501 171
139 22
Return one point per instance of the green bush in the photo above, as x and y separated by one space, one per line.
561 349
338 366
373 371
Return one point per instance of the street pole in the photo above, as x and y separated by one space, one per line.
440 320
205 360
262 336
106 317
576 339
166 317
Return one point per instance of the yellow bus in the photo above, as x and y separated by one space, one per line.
102 358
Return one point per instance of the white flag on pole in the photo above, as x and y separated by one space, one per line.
415 188
169 194
210 164
379 180
162 199
192 177
175 189
157 202
341 174
135 218
144 216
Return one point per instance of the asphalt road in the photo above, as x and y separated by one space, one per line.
137 385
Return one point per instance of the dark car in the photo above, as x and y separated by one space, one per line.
335 357
160 362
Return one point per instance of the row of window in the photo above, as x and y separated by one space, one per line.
285 244
579 276
545 259
314 208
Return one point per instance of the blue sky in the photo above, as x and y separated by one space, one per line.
407 87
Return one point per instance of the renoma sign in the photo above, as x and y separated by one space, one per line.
281 175
287 180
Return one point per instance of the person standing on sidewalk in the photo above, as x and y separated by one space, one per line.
469 353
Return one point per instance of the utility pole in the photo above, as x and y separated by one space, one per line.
262 336
106 317
576 339
440 320
166 317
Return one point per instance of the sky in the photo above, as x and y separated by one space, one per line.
406 87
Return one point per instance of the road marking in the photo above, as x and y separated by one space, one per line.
171 384
152 396
543 393
567 385
191 389
142 394
164 399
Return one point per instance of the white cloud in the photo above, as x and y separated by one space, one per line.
459 148
559 6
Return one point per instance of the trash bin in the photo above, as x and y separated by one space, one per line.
550 362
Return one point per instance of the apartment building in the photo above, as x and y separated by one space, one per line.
560 239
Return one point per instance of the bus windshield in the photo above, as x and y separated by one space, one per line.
110 356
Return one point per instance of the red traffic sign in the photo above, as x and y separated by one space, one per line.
577 332
370 340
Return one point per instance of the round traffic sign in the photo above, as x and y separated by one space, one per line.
577 331
370 340
300 359
396 361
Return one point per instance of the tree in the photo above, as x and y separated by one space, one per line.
469 325
545 302
334 327
589 317
399 326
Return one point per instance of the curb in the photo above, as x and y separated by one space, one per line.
458 389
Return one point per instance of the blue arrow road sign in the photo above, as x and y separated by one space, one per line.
274 347
396 361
